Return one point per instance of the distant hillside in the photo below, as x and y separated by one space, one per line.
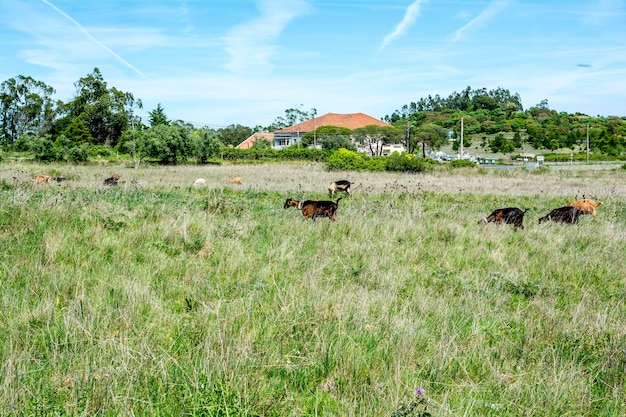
496 120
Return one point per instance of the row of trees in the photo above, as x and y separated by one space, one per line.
101 120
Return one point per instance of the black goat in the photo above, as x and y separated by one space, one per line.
567 214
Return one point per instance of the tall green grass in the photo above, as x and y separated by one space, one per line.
157 300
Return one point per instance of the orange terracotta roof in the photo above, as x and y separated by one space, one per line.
351 121
247 144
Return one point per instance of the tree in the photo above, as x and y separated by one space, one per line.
322 132
430 136
500 144
263 144
233 135
42 148
158 117
292 117
77 132
167 144
26 107
206 144
106 112
373 137
337 141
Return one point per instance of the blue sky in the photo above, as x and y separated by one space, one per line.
221 62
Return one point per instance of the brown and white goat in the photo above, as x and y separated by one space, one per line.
509 215
312 209
341 185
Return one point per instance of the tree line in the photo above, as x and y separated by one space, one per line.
101 121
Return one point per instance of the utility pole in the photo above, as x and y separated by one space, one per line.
314 136
587 144
408 136
461 147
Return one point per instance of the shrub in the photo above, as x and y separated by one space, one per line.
343 159
405 162
461 163
100 150
78 153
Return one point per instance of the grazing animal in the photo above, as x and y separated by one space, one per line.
199 181
509 215
312 209
342 185
586 206
112 180
43 179
236 180
292 203
47 179
567 214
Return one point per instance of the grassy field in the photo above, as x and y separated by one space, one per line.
160 298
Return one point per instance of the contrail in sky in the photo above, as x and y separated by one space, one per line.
411 14
486 15
103 46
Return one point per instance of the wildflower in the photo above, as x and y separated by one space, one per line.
420 392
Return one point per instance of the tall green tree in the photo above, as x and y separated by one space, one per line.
26 107
373 137
292 116
106 112
206 144
158 117
233 135
167 144
430 136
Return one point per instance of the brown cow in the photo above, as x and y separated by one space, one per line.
586 206
508 215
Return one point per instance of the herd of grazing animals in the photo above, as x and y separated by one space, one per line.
566 214
312 209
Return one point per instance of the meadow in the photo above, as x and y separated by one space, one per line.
157 297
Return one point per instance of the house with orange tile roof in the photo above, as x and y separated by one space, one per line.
292 134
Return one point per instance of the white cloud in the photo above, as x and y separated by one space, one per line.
485 16
410 16
252 44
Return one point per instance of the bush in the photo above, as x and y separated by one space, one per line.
78 153
405 162
43 148
100 150
461 163
376 163
344 159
